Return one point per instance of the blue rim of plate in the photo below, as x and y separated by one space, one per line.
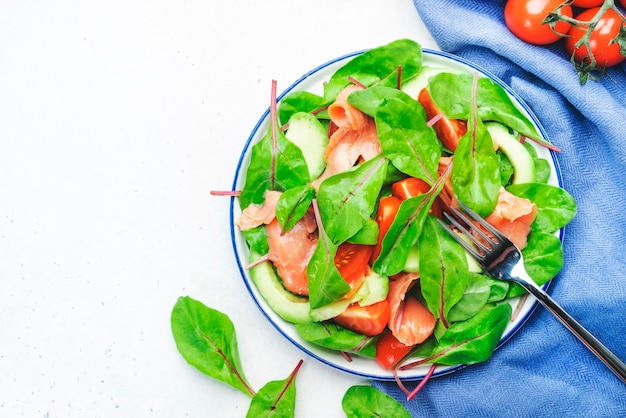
239 170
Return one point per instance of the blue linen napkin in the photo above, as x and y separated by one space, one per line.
543 370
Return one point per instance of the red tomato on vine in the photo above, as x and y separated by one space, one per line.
524 18
585 4
602 47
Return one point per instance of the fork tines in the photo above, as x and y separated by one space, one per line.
460 220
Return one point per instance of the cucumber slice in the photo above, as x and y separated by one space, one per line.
515 151
311 137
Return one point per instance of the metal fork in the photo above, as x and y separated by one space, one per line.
502 260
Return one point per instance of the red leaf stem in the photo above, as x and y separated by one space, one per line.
232 193
288 383
357 82
422 383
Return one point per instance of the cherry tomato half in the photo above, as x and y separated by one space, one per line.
352 261
388 207
586 4
604 51
524 19
409 187
389 351
366 320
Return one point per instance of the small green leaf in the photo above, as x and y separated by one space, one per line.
499 289
452 93
275 164
474 340
277 399
405 138
402 235
370 100
405 230
476 295
206 338
476 170
347 200
334 337
443 269
363 401
325 282
368 235
293 205
378 66
256 238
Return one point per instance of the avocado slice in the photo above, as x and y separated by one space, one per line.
308 133
520 158
288 306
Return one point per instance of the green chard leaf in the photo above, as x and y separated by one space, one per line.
256 238
405 230
452 92
334 337
325 282
555 206
206 338
476 169
368 235
378 66
298 101
277 399
402 235
293 205
443 269
499 289
472 341
347 200
363 401
476 295
371 99
275 164
405 138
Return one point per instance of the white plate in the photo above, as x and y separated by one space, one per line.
366 367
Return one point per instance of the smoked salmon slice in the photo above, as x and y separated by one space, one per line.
291 252
409 321
255 215
354 139
513 216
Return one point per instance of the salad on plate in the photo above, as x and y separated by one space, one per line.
339 190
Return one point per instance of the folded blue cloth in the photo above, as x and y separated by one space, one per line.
544 370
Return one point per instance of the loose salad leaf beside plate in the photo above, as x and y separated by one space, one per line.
320 177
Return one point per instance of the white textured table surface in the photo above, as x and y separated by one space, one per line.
116 120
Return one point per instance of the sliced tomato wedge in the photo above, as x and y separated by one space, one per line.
409 187
367 320
389 351
352 261
388 207
448 130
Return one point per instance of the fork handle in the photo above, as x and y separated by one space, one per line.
611 360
